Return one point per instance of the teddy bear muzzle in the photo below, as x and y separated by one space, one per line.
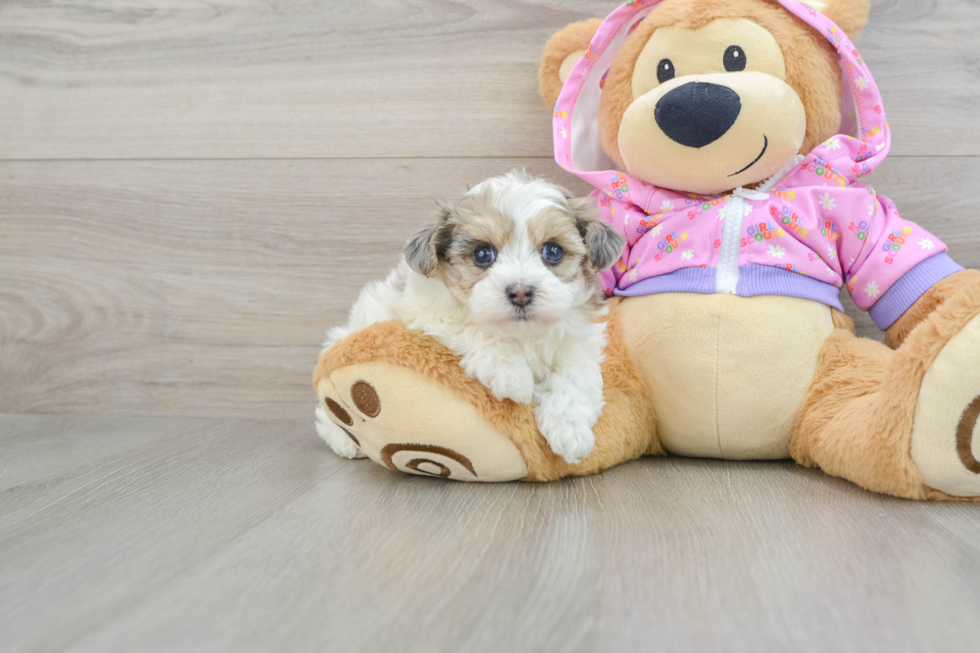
711 133
697 113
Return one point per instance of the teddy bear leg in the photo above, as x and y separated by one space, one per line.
405 422
901 422
946 434
850 425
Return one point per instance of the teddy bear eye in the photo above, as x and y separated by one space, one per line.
735 59
665 70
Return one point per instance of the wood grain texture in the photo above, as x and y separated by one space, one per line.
391 78
195 288
203 288
192 191
168 534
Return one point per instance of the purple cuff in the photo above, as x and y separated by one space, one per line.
912 285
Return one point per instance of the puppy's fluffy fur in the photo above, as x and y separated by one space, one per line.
507 280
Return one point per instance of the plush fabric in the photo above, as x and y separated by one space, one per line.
746 360
860 416
626 430
925 305
850 15
716 387
572 40
948 403
811 64
857 419
814 216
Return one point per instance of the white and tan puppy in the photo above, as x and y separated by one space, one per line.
507 280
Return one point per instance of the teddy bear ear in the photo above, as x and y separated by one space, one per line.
851 15
561 53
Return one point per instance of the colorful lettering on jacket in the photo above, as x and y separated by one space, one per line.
817 221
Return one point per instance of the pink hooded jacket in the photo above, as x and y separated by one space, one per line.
803 233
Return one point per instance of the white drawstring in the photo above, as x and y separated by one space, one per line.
768 184
749 194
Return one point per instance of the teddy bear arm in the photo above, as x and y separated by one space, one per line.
896 334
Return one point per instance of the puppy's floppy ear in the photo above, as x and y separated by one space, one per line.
603 243
424 249
851 15
561 53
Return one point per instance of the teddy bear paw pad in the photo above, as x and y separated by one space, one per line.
946 432
412 424
365 397
339 439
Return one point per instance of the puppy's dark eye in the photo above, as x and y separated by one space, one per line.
552 253
484 256
735 59
665 70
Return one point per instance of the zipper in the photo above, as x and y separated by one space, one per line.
727 275
726 279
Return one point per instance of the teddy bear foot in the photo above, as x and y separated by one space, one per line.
946 431
340 440
407 423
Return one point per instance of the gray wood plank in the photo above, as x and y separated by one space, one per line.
176 286
401 78
125 507
251 536
204 288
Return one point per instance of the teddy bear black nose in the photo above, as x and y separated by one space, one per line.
697 113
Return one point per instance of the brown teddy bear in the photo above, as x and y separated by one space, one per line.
726 140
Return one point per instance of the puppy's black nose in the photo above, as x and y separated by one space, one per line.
697 113
520 295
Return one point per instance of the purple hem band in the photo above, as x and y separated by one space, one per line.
694 279
755 279
912 285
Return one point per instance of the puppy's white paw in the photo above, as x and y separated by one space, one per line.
335 437
509 381
568 430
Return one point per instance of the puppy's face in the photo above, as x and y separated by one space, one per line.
518 253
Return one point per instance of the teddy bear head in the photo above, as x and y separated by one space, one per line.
707 95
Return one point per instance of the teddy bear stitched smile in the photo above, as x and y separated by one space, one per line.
725 113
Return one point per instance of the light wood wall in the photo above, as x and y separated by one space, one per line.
190 193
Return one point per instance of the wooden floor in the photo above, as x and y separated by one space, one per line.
191 192
189 534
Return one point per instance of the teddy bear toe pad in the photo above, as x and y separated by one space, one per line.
410 424
946 432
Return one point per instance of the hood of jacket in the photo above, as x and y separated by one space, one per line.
863 141
809 231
